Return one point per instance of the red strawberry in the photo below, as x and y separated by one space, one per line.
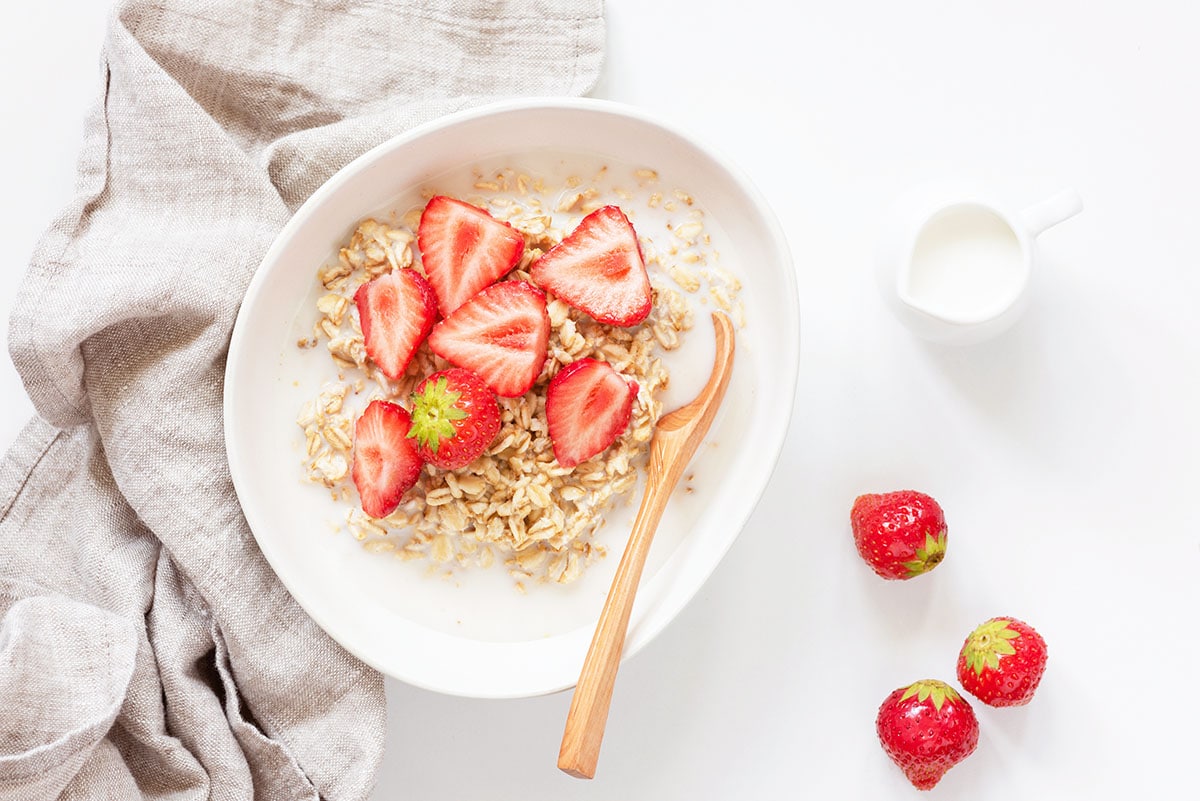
500 334
454 418
396 312
598 269
588 405
899 534
464 249
1002 662
927 728
386 464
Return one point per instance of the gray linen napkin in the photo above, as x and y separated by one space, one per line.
146 648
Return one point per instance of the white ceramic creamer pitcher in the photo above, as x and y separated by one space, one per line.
955 266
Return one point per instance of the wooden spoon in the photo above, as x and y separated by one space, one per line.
676 439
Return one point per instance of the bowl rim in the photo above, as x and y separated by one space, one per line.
785 358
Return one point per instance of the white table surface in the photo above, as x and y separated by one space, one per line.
1066 453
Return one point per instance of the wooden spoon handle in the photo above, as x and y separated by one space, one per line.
588 715
675 441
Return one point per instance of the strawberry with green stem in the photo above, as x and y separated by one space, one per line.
455 417
1002 662
926 728
899 534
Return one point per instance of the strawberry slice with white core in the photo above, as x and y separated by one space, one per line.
386 462
588 405
501 335
464 249
396 312
598 269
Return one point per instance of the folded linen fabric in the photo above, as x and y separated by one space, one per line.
146 648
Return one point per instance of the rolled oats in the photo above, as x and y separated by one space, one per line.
515 504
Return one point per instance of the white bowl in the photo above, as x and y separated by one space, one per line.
473 634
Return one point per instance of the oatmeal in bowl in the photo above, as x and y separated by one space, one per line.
516 503
427 559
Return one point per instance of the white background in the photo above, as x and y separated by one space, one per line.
1065 453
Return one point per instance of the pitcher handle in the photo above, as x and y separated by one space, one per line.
1051 211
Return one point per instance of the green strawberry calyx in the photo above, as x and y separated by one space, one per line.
937 691
434 411
988 643
928 555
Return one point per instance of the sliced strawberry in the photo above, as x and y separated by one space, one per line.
598 269
501 334
464 249
588 405
386 463
396 312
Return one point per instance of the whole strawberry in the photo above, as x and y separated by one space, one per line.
927 728
454 418
899 534
1002 662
